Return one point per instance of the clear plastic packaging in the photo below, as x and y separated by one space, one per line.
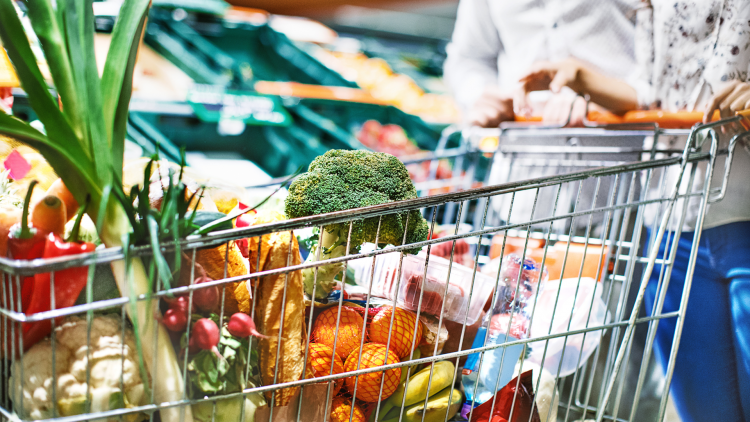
519 282
456 291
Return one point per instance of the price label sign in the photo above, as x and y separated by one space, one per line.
214 104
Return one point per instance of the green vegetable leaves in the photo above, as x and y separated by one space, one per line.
118 74
211 375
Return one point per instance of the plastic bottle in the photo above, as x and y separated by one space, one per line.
509 320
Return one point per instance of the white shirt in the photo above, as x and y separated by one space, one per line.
496 41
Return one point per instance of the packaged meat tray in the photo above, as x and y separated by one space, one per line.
435 289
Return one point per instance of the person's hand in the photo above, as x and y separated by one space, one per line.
732 97
553 76
491 109
560 106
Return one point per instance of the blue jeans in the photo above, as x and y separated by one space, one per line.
712 371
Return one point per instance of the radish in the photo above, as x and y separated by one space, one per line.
241 325
206 298
206 336
179 304
175 320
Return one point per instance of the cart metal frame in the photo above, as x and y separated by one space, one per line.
621 250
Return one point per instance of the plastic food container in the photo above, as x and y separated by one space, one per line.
456 291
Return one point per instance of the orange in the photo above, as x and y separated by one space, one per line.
368 387
402 336
341 409
349 333
319 361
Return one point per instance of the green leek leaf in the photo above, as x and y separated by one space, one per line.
100 143
44 20
118 73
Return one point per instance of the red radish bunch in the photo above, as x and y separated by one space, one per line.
241 325
205 298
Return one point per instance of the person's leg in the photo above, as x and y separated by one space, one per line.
739 293
731 244
704 383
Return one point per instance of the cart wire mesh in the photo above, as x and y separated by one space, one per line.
597 210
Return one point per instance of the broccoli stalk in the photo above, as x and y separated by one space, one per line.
341 180
333 245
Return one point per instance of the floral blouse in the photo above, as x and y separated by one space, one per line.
686 49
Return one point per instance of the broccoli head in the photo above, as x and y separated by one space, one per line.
340 180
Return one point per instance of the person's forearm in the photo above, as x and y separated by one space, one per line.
613 94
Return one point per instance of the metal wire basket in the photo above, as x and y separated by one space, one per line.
625 184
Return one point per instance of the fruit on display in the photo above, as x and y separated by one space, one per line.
377 77
391 139
320 361
416 391
404 336
441 407
341 411
373 355
349 335
341 180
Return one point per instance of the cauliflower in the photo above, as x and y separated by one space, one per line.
545 394
114 375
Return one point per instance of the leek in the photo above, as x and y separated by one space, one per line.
84 144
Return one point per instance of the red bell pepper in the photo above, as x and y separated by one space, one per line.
26 242
68 286
68 283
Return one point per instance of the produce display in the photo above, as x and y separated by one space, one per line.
393 139
376 76
193 304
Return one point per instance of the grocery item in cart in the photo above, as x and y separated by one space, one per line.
513 403
433 333
523 276
284 363
113 358
460 251
368 385
404 333
447 287
508 320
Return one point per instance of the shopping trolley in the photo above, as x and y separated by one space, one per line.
617 244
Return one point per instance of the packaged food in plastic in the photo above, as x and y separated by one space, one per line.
431 335
446 287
